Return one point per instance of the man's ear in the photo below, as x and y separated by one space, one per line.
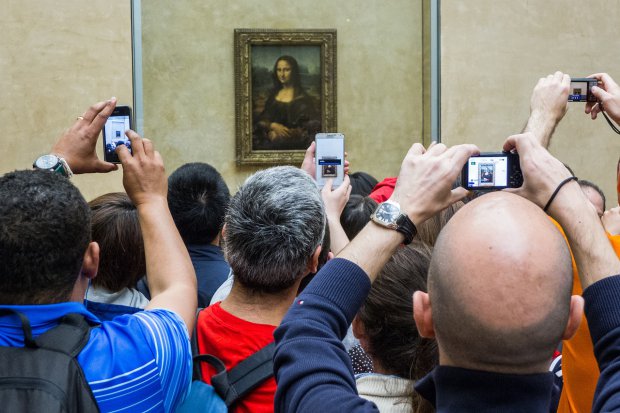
313 261
90 264
223 231
423 315
574 317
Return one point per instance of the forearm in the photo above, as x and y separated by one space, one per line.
338 239
372 248
168 266
542 125
594 255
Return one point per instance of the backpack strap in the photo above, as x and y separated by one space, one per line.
68 337
196 372
28 340
244 377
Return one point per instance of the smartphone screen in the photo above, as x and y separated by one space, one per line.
580 90
114 132
492 171
329 158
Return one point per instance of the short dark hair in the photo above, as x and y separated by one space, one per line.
198 198
116 228
273 226
588 184
356 214
362 183
44 233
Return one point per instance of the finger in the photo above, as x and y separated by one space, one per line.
123 154
437 149
137 147
149 149
459 155
416 149
92 111
102 116
458 193
558 76
310 152
601 94
608 82
566 80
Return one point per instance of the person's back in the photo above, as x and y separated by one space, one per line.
273 231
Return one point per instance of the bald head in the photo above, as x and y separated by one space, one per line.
500 283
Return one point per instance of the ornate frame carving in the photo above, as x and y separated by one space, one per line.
244 40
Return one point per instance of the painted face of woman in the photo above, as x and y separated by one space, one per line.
283 71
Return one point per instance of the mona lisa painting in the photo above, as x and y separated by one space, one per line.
285 84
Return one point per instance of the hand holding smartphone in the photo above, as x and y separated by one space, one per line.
329 158
114 130
492 171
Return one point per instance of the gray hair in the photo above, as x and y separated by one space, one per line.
274 224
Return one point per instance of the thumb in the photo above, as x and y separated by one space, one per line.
601 94
102 166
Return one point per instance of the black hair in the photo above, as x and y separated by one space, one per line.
44 233
588 184
362 183
356 214
198 199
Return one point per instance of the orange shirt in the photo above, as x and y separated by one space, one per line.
579 367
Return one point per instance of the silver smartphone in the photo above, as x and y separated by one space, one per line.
329 158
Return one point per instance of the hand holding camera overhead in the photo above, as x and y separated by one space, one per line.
607 94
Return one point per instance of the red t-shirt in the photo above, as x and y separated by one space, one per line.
232 340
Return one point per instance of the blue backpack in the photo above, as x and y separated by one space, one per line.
228 387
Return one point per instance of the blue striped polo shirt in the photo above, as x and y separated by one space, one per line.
134 363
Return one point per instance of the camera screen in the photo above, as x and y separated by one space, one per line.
114 133
487 171
578 91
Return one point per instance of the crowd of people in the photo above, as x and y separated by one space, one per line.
303 299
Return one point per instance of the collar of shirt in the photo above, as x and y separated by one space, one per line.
42 318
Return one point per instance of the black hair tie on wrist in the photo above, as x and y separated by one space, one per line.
564 182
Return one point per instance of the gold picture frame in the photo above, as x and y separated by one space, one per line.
285 92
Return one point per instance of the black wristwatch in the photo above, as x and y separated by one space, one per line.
53 163
388 215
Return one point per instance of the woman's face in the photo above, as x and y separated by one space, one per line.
283 71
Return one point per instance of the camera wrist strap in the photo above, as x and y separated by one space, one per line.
611 124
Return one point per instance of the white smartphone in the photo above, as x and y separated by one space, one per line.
329 158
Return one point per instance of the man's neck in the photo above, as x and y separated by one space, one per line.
259 308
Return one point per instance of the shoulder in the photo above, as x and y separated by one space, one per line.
148 351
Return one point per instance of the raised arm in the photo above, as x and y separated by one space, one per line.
312 367
548 105
170 274
335 202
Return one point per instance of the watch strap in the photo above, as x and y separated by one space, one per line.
406 227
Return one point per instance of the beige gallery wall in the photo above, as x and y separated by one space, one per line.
189 106
494 51
56 59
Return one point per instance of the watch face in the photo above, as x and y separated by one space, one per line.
387 213
46 162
